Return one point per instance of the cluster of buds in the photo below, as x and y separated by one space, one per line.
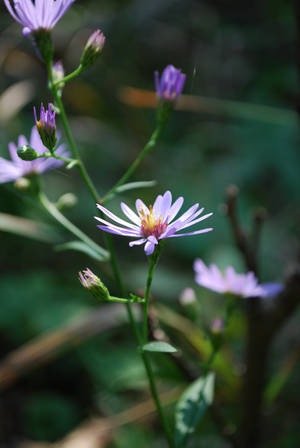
46 127
93 49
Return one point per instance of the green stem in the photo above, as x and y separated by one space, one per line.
48 155
67 78
151 143
69 135
56 214
152 264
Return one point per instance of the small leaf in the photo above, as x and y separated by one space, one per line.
159 346
28 228
80 246
136 185
192 406
71 164
136 299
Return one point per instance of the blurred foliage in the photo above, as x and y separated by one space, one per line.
235 51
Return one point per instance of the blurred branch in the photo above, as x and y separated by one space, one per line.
232 109
46 347
263 326
248 249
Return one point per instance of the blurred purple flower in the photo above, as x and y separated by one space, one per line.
13 169
244 285
43 14
154 223
170 85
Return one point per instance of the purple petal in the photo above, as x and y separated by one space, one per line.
130 214
116 218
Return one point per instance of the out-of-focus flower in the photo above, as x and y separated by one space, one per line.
272 289
93 284
154 223
46 126
169 87
13 169
93 49
187 297
40 15
245 285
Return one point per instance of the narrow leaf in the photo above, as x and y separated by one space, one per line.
192 406
159 346
28 228
136 185
80 246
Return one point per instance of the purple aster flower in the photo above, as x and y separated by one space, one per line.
245 285
152 224
13 169
46 126
42 14
170 85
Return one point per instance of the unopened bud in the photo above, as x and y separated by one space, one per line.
67 200
46 126
93 49
93 284
58 74
27 153
187 297
22 184
217 326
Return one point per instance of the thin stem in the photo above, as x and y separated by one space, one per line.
55 213
67 78
147 148
69 135
153 262
156 399
48 155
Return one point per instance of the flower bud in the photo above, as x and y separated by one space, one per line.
46 126
169 87
217 326
27 153
187 297
67 200
93 284
93 49
58 74
22 184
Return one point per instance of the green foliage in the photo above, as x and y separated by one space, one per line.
159 346
192 406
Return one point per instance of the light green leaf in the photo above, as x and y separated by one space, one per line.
136 185
80 246
28 228
159 346
192 406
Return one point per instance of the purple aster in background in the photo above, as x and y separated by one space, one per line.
244 285
46 126
13 169
170 85
152 224
40 15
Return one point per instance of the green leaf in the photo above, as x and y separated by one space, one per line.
192 406
136 185
80 246
159 346
28 228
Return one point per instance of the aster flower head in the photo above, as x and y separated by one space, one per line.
244 285
11 170
37 15
93 284
169 87
154 223
46 126
93 49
